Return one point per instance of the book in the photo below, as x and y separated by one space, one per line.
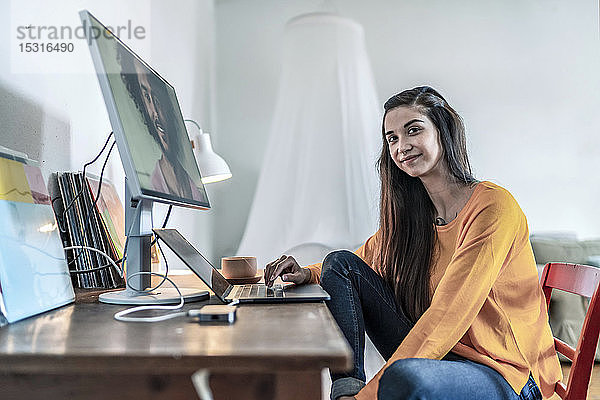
81 223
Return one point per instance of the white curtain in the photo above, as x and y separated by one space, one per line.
318 182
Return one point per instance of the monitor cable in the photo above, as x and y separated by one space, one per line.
89 211
122 315
115 263
88 215
72 202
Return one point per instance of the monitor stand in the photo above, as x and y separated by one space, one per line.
139 213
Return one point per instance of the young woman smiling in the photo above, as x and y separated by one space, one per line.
447 288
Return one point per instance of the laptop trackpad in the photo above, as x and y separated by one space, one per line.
302 290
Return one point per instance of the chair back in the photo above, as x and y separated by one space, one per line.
582 280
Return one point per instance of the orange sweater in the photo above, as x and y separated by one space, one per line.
487 303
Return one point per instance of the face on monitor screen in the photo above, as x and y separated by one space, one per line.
152 124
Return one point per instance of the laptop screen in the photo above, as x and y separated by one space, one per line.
194 260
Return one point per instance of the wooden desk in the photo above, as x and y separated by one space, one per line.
80 351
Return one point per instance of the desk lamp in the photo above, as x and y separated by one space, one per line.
212 166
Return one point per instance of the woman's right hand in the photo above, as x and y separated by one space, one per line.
288 269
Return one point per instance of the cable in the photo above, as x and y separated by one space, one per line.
152 243
164 225
120 316
84 167
88 215
97 268
120 260
156 274
160 248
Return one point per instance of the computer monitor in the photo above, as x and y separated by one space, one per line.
154 147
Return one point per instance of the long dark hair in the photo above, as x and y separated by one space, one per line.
130 77
407 214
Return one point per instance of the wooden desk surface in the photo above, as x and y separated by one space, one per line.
84 338
81 352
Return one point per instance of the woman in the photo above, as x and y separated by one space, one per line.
447 288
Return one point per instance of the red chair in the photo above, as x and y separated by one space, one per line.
582 280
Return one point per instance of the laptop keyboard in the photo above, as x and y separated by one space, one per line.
257 290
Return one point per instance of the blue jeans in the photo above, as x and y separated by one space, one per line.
362 302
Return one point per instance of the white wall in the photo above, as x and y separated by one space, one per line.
60 118
524 76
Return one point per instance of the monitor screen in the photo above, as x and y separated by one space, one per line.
149 129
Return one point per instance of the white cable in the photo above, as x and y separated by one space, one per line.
120 316
127 285
97 251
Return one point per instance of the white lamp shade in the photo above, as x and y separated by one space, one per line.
212 166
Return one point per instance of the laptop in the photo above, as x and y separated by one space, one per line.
255 293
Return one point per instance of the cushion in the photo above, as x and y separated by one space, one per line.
591 247
546 249
593 260
554 235
567 312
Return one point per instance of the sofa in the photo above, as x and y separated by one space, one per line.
567 311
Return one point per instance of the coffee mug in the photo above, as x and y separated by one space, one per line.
238 267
